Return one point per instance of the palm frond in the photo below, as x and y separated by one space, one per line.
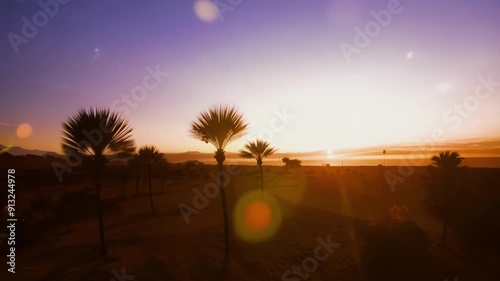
447 160
257 149
149 154
97 133
219 126
245 154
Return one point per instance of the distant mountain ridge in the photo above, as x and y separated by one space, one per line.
18 151
481 147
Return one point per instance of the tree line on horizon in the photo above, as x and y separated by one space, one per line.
219 126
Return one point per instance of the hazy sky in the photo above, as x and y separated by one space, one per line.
410 78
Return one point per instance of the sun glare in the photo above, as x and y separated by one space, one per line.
329 154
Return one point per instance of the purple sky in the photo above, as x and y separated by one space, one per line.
263 57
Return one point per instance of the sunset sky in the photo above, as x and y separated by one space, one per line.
264 57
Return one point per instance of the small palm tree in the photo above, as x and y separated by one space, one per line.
123 177
257 150
448 162
135 168
220 126
95 136
149 155
162 173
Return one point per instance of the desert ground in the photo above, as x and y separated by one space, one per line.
310 203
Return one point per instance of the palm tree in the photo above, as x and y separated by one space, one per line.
135 167
162 173
95 136
257 150
220 126
123 177
448 163
149 155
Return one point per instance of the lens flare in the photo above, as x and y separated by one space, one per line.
8 145
24 130
257 217
206 10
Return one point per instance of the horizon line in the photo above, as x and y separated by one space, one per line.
380 146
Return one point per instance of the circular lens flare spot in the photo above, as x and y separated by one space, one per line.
257 217
206 10
24 130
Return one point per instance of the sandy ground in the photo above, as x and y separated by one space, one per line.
313 204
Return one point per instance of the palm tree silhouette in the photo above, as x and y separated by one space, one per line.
220 126
135 167
162 172
95 136
123 177
149 155
258 149
448 163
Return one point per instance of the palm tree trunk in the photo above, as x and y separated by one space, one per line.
445 222
383 181
261 179
102 250
150 189
445 211
137 186
226 221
